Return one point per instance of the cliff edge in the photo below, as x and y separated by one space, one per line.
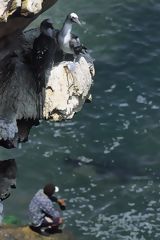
19 233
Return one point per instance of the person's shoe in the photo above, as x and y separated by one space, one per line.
41 231
44 232
53 230
33 228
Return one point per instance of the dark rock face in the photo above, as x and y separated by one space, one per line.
16 17
8 172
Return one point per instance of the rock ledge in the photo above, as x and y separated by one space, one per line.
24 233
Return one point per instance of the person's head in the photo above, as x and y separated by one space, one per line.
49 189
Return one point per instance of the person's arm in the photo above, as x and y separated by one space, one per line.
61 202
54 199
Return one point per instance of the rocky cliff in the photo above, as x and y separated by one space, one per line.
20 106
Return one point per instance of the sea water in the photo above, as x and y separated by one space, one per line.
105 160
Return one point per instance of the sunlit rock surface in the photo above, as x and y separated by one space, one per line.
24 233
66 91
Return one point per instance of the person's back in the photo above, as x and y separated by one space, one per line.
39 207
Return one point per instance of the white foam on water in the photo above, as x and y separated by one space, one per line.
141 99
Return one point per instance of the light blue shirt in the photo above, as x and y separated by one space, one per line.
39 207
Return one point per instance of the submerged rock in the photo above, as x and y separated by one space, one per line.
24 233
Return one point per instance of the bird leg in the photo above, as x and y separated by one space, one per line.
64 56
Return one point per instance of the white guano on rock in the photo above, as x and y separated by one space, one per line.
31 6
66 91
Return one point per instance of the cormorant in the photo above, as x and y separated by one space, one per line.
43 52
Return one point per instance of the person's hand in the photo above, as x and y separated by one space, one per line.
62 204
61 220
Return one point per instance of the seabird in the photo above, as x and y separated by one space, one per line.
43 52
69 42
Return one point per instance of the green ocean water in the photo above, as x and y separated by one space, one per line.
106 160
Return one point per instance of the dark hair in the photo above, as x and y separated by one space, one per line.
49 189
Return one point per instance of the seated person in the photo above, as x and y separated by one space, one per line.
44 217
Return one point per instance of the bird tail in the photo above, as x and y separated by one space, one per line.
40 82
87 57
82 51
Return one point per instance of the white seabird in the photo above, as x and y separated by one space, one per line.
69 42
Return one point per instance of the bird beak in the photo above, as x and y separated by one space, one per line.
77 21
50 32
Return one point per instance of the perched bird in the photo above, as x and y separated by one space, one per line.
43 52
69 42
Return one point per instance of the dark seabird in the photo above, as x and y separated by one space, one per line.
43 53
69 42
